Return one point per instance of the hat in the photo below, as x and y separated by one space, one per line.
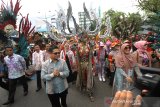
115 43
101 44
108 43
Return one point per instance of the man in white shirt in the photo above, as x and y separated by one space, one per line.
37 60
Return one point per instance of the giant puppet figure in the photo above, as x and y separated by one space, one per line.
83 48
9 34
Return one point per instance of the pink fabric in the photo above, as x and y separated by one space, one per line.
108 43
124 61
140 45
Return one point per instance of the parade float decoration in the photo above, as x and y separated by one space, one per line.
106 28
8 28
83 47
8 22
63 29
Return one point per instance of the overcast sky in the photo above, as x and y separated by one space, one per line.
38 8
42 8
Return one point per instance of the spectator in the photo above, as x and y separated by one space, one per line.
141 55
124 63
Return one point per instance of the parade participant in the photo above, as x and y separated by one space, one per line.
70 60
95 60
84 56
70 55
108 45
16 71
37 60
46 52
141 55
101 57
55 72
37 39
124 63
115 48
9 35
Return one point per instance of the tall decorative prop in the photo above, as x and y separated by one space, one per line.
91 15
106 28
8 19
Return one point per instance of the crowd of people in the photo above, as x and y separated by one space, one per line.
125 62
76 60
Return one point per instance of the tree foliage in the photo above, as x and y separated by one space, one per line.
149 5
152 9
123 24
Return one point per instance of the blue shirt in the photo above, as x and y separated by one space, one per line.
55 84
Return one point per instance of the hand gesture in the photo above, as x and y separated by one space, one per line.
56 73
129 79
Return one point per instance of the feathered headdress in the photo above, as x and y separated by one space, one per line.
25 29
9 14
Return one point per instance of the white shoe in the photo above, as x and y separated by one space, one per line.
100 79
103 79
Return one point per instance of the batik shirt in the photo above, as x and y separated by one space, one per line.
16 66
55 84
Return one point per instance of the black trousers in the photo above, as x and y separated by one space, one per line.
111 79
39 84
55 99
12 86
3 84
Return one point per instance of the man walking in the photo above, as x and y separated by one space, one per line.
16 71
55 73
37 60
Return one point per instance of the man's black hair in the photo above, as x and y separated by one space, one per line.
8 46
52 48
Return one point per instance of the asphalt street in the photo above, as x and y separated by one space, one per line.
75 98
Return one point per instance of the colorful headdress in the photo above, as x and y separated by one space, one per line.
115 43
9 16
8 20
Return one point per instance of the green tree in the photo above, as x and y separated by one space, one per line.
151 6
152 10
123 24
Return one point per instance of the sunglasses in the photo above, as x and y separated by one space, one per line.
56 53
128 47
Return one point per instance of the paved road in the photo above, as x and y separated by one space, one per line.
75 97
